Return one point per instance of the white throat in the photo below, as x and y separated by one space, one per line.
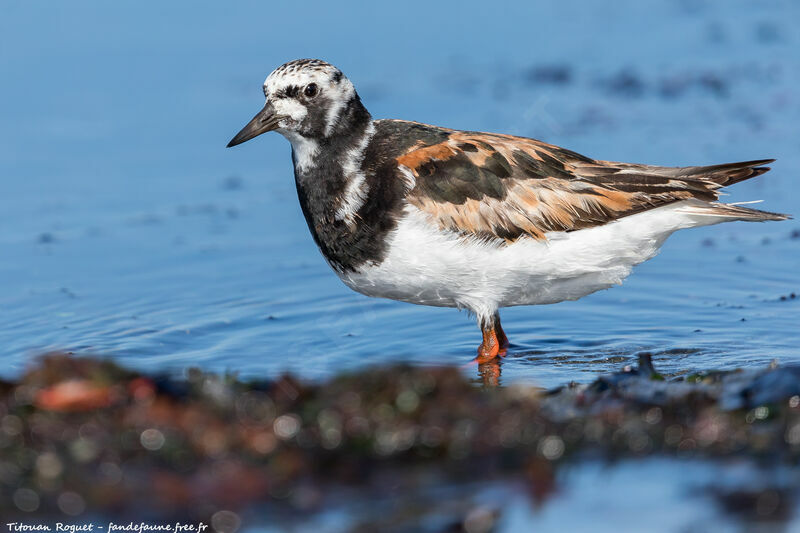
305 149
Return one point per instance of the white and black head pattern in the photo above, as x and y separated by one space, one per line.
311 103
310 95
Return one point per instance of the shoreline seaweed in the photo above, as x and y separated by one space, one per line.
82 436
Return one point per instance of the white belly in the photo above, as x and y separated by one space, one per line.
427 266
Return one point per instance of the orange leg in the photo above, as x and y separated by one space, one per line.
495 342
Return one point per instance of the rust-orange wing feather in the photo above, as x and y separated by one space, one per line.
501 186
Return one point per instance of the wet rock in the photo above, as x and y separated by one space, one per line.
625 84
713 83
554 74
756 505
771 387
677 85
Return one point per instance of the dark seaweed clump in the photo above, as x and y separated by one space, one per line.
82 435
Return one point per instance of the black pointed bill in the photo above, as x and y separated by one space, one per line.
266 120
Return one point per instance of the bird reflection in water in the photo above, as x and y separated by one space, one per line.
489 370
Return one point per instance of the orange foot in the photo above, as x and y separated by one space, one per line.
495 342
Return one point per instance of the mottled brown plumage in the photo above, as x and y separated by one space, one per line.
500 186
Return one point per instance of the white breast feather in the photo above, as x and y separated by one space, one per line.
426 265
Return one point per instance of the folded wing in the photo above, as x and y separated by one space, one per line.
500 186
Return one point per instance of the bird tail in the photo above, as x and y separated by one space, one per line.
732 211
725 174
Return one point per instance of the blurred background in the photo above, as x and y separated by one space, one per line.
128 229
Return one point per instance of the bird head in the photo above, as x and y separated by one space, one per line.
306 99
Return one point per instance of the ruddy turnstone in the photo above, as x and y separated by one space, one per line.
473 220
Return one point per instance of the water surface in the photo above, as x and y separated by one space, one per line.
127 229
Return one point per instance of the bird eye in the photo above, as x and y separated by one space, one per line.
310 90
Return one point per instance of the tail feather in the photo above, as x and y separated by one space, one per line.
709 177
727 173
703 183
732 211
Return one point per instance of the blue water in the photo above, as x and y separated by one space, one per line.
127 229
636 496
